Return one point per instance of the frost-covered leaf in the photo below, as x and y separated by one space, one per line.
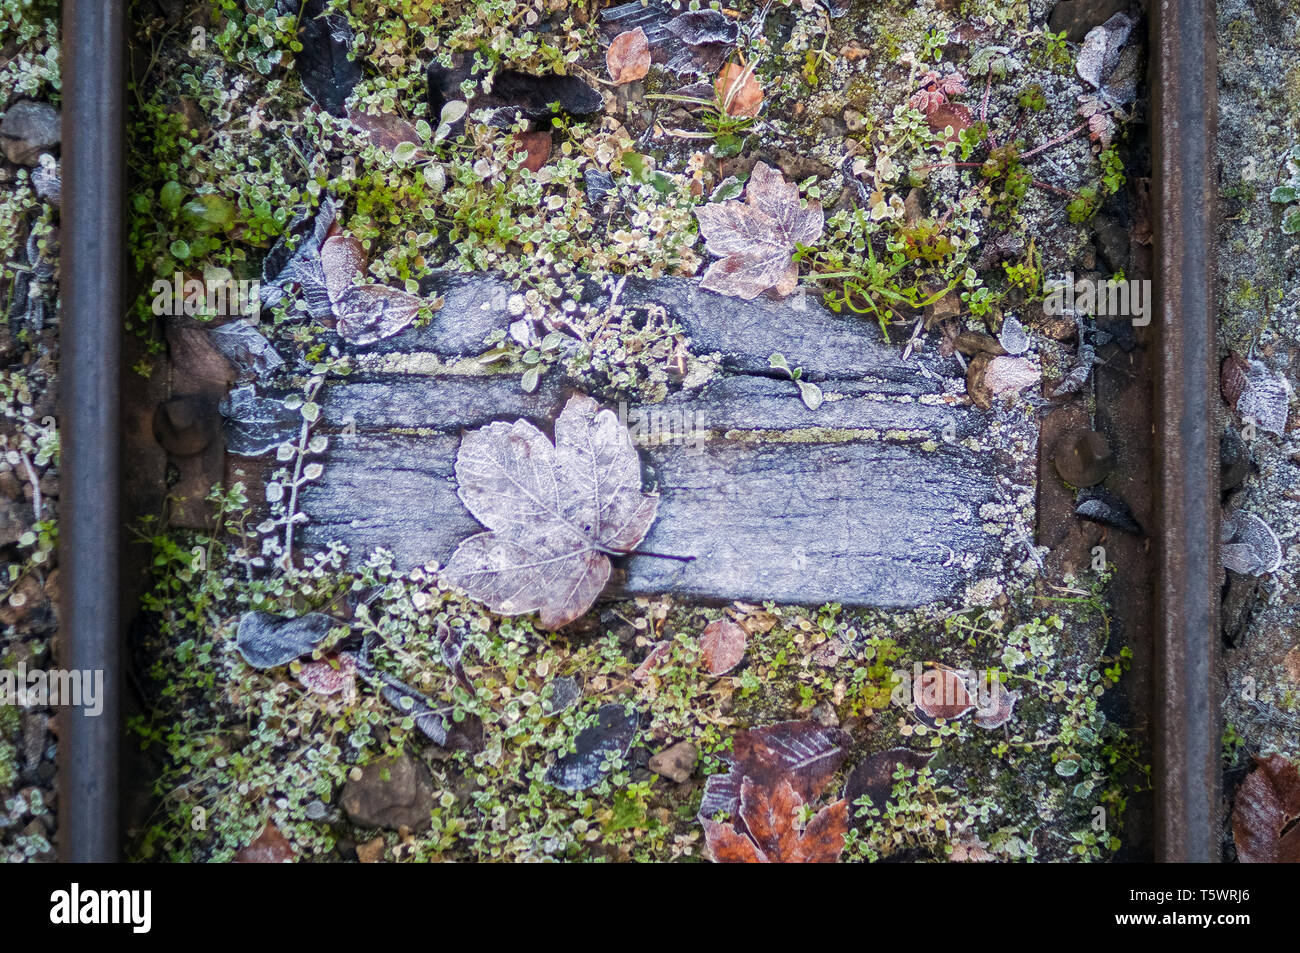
628 57
1014 339
553 512
1247 545
384 130
266 640
723 644
328 73
994 704
1265 812
756 238
803 752
329 676
768 830
597 750
1263 396
369 313
249 353
1099 56
343 261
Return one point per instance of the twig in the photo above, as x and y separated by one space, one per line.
35 481
1053 142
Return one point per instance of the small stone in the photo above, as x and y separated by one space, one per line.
1085 460
28 130
371 852
675 763
390 794
824 714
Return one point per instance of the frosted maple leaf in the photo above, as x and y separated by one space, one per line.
757 238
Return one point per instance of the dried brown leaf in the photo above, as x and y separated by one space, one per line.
756 238
738 90
269 847
771 833
1265 813
329 676
553 512
628 57
723 644
384 129
536 147
941 693
804 753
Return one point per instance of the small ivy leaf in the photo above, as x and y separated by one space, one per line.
757 238
810 393
274 492
553 512
1247 545
873 778
453 112
405 152
596 750
628 57
173 193
738 90
313 471
266 640
723 644
435 176
532 377
1291 223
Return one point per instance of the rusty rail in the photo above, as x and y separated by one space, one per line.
1185 708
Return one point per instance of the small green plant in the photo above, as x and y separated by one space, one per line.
1288 193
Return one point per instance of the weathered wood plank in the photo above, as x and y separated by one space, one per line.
875 498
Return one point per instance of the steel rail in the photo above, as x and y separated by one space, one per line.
1185 709
90 341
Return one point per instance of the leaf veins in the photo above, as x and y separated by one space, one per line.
554 513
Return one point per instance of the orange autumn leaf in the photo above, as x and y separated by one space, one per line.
738 90
628 57
723 645
771 833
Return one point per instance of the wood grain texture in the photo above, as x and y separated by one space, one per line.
861 502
